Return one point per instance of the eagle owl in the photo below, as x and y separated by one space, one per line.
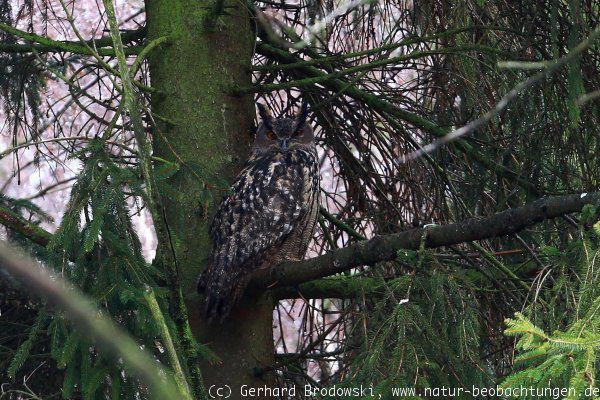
269 215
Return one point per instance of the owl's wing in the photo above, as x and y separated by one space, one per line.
266 204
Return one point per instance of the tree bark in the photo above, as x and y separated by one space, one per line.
206 132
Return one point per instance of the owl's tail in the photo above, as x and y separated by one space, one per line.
221 292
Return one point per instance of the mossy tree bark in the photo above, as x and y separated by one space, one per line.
205 130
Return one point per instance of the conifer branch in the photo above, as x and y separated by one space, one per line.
340 224
549 68
378 104
153 199
44 44
324 61
266 88
159 319
17 223
81 311
340 287
385 248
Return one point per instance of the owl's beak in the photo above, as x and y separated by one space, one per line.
283 143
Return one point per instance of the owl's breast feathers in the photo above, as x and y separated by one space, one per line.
269 216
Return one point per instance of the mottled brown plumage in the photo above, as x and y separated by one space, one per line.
270 214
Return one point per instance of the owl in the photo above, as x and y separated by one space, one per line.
269 215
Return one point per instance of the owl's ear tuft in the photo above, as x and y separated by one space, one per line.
301 117
265 114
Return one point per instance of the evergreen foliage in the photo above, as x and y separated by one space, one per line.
97 249
424 334
566 358
381 80
21 78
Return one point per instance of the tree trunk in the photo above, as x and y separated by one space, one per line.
205 131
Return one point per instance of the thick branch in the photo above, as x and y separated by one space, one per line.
383 248
15 222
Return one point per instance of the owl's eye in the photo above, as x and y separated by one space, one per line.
271 135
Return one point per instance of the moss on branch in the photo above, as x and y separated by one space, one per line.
17 223
339 287
44 44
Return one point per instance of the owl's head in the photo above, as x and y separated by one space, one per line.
282 134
